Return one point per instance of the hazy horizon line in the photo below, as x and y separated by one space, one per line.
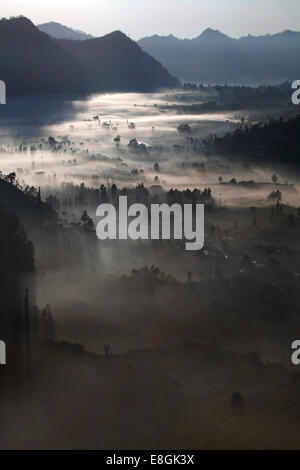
174 35
170 34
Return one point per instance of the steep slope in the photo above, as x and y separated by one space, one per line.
29 210
117 63
215 57
33 62
60 31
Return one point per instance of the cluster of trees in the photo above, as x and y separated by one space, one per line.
134 146
204 99
184 128
153 272
190 197
73 196
30 191
278 138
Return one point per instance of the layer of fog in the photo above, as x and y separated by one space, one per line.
80 286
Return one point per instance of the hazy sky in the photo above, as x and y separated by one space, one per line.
184 18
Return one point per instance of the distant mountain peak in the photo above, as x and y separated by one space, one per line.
21 22
17 20
212 34
60 31
17 28
289 32
211 31
119 34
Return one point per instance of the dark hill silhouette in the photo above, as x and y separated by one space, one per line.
16 273
117 63
218 58
33 62
26 206
60 31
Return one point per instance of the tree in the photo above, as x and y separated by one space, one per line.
156 167
236 399
114 190
87 221
52 142
103 192
11 178
107 349
117 140
184 128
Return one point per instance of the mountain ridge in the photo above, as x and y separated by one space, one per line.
61 31
216 32
32 62
214 57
